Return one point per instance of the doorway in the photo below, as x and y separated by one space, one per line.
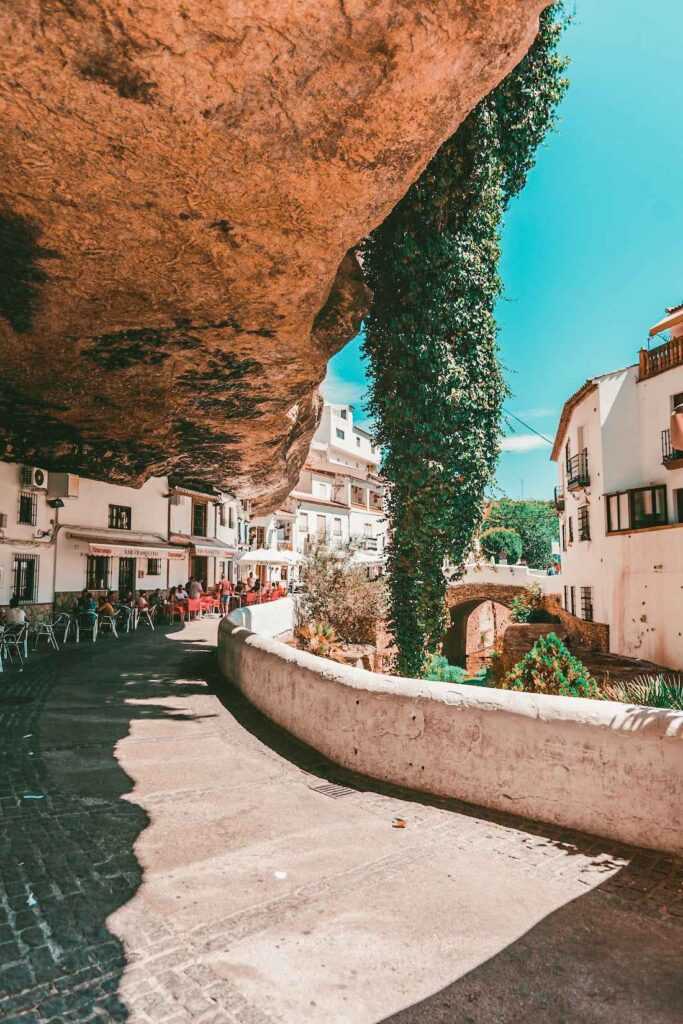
200 569
127 579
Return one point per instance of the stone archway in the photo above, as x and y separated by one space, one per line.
462 599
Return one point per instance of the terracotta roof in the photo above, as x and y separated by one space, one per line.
567 410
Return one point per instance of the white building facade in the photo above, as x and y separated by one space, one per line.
339 497
60 533
620 498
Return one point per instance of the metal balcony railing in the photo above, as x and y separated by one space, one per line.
577 470
661 358
669 454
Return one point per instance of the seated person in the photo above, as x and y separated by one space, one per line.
180 593
142 604
196 589
257 585
157 599
86 606
105 607
239 587
15 616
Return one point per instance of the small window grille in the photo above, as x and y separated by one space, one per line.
199 518
570 523
28 508
25 582
97 572
587 603
154 567
572 600
584 523
120 517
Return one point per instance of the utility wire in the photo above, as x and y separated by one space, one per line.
528 426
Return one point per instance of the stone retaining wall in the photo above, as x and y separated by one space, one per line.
604 768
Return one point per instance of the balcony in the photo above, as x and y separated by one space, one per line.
672 458
559 499
577 471
663 357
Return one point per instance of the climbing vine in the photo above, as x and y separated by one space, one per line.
436 383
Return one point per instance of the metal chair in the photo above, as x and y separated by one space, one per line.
63 623
47 630
125 616
15 642
107 623
146 616
87 623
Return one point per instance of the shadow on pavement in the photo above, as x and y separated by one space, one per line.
67 858
613 954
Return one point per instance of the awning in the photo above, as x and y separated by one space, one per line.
674 319
104 547
217 550
266 556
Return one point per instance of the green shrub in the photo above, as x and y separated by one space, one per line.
654 691
438 670
500 542
549 667
528 607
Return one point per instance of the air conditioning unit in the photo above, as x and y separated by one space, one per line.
63 485
33 477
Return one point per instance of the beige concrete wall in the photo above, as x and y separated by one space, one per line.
604 768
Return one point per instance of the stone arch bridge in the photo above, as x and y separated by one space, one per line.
485 582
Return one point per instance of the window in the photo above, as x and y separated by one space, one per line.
28 508
357 495
154 567
321 525
678 499
636 509
97 572
566 598
25 582
340 433
220 511
564 539
572 600
337 527
584 523
231 517
587 603
343 413
570 524
119 517
321 489
199 518
648 507
676 400
303 522
357 441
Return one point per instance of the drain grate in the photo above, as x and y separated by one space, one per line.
333 790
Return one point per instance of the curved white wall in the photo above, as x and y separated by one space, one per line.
609 769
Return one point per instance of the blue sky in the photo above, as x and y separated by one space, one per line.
593 248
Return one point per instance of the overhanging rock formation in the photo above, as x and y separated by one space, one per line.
183 186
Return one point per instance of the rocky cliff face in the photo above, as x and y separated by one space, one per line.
184 184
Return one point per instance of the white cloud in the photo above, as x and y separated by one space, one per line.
523 443
343 392
537 413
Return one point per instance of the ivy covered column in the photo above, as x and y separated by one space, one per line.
436 384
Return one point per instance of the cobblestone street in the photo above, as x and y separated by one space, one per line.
169 856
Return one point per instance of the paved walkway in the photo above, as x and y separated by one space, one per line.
168 856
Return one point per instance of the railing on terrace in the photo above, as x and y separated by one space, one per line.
669 454
663 357
577 470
